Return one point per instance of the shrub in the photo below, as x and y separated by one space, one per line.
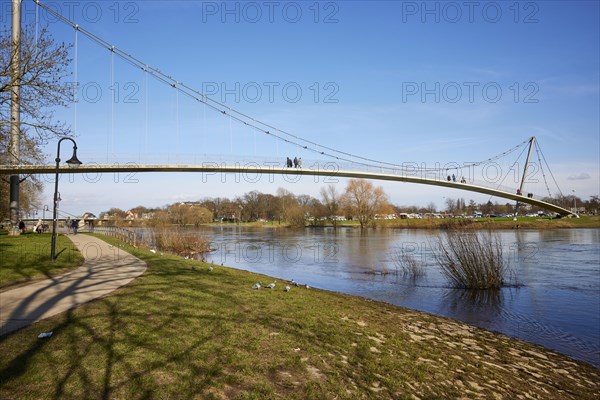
472 260
178 241
407 265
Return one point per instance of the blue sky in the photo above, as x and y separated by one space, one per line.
402 82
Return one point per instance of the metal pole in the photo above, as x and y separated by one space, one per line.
15 112
531 144
53 246
73 161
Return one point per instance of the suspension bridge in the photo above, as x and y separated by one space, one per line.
331 162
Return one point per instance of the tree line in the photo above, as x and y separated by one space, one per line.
360 201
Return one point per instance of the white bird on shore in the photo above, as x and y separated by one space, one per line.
256 286
153 251
286 289
271 285
210 269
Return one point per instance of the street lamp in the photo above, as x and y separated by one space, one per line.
46 208
574 202
73 162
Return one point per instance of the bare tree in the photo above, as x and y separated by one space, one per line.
431 207
332 201
42 79
43 87
365 200
450 206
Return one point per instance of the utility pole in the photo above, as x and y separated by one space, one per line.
15 113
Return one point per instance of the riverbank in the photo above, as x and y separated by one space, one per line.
587 221
494 223
182 330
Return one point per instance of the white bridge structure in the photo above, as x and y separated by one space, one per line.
253 170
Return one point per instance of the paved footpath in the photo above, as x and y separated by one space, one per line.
105 269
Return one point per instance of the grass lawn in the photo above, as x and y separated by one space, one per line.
183 333
27 257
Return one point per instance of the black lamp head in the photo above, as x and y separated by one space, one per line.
74 161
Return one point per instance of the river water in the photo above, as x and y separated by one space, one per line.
557 304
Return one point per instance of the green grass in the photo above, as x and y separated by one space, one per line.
27 257
181 333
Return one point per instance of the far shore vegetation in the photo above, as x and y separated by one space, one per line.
522 222
188 329
360 204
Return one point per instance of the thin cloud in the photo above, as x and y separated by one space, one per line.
579 177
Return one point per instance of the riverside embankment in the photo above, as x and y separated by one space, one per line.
182 330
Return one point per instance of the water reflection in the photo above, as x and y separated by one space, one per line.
473 306
490 299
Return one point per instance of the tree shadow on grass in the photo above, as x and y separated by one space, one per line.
89 353
24 266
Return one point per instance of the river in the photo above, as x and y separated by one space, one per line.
557 304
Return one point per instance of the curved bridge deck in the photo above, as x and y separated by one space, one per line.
273 170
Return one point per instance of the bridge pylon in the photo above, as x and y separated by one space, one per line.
520 191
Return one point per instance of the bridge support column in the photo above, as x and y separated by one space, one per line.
531 144
15 113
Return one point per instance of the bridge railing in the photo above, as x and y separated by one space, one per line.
233 160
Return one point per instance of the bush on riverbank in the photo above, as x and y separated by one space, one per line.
407 265
471 259
180 242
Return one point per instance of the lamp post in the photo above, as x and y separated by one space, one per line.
46 208
574 202
74 162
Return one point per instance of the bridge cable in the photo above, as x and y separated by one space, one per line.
549 170
240 116
511 168
543 172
